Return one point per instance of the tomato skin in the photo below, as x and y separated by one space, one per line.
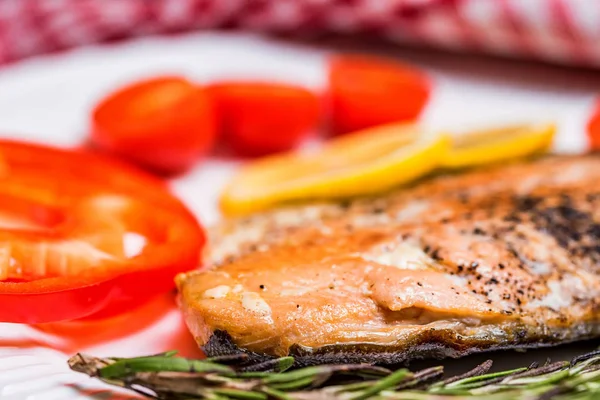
259 118
64 259
593 127
367 91
164 124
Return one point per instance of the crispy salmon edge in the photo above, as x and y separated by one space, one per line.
433 344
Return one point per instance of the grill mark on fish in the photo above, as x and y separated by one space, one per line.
507 264
573 229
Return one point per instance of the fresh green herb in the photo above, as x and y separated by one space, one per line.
165 376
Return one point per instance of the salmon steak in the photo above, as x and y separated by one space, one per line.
502 258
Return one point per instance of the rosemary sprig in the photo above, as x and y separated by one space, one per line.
164 376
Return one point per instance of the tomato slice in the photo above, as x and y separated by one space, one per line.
365 92
593 127
83 235
259 118
164 124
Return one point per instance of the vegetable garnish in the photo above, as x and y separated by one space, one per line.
593 127
368 91
165 376
259 118
164 124
366 162
496 145
372 161
83 235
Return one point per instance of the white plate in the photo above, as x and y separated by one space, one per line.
47 99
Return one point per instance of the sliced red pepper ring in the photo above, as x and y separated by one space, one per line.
82 235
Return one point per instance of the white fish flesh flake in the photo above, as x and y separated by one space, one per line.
218 292
252 301
237 288
559 296
412 209
401 256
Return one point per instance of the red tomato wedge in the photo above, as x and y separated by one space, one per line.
593 127
164 124
365 92
82 235
258 118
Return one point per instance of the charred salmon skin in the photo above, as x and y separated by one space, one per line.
503 258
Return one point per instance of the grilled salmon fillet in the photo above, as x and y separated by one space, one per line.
503 258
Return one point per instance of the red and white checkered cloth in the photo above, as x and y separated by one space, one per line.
564 31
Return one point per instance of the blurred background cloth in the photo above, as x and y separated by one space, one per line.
561 31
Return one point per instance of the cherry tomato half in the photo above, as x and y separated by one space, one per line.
593 127
366 92
258 118
164 124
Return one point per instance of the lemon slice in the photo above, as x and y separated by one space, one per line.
369 161
495 145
